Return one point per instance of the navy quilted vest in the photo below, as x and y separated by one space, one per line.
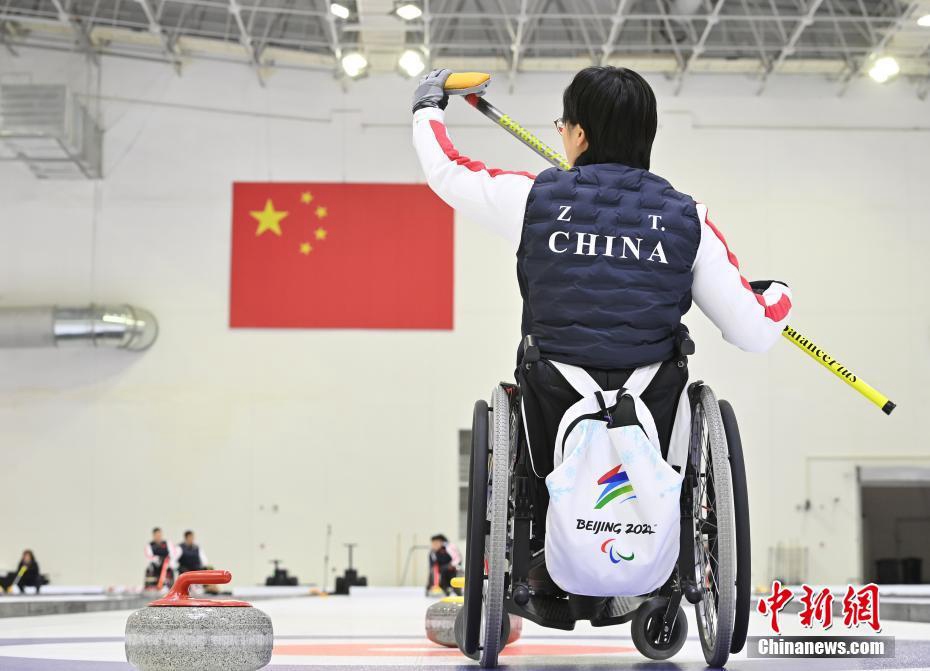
604 265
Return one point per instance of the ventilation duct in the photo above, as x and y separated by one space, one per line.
46 128
119 326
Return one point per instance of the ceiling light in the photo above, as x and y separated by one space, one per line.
924 21
884 69
339 10
354 64
408 11
411 62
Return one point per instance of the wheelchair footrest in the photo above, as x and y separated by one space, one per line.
546 611
617 610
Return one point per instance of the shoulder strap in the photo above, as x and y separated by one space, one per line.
578 378
593 399
640 378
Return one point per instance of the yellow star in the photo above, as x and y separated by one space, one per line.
269 219
320 233
306 198
321 212
306 248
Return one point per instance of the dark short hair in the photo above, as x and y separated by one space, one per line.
188 533
617 110
440 537
155 530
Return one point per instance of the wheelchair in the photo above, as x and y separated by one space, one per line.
505 563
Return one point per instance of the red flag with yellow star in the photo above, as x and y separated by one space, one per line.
325 255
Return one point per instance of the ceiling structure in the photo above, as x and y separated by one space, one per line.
838 39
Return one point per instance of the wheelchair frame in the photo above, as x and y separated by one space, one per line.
499 558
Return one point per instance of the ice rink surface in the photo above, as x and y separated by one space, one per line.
375 629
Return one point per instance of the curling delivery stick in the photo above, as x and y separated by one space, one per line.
472 84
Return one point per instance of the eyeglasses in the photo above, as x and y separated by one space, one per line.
559 124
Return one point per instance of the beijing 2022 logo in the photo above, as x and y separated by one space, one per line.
616 484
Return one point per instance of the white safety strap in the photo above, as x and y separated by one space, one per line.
586 406
681 433
648 422
526 432
640 378
578 378
585 385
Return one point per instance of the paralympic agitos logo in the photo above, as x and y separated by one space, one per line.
615 557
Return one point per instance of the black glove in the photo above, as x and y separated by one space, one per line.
430 92
761 286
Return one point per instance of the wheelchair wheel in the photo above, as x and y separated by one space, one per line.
647 627
714 530
493 637
468 634
741 510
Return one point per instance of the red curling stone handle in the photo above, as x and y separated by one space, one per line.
180 596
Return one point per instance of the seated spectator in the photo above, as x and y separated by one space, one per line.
444 563
160 555
192 557
26 575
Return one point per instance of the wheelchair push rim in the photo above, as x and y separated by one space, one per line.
713 530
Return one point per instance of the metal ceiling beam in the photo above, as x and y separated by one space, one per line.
236 10
757 37
169 48
77 27
698 49
841 38
671 37
585 36
517 44
878 47
25 14
427 18
616 25
4 40
790 45
334 46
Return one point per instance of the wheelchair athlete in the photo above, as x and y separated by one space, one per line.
609 254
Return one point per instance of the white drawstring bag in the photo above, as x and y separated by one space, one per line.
614 514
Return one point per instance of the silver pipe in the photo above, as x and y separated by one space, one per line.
118 326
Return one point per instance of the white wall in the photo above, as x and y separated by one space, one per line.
212 427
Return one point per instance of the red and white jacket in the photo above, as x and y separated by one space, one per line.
497 199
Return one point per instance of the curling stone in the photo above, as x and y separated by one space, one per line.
181 633
440 622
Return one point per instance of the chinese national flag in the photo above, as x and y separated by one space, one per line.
324 255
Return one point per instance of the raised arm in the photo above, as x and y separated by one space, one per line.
751 321
492 197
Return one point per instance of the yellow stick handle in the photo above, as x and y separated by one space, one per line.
534 142
838 369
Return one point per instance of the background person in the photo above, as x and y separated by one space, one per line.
26 574
191 557
444 563
160 555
